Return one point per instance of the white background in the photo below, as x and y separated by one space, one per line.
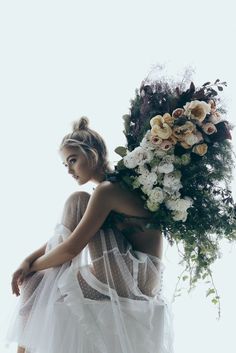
64 59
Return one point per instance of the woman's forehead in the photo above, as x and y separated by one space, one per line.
67 152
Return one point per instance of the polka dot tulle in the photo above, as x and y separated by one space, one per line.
109 298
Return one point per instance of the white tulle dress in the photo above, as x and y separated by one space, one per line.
108 299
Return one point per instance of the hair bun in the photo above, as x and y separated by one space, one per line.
81 124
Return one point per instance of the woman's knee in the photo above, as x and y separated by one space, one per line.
75 207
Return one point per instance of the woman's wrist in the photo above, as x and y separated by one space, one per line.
26 261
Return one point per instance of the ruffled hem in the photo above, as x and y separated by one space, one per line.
135 315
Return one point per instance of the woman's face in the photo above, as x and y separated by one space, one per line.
77 164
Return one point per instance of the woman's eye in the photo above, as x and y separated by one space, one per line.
72 160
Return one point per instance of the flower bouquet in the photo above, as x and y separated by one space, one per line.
179 158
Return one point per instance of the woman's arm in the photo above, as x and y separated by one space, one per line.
34 255
98 208
24 269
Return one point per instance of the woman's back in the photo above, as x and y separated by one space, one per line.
130 217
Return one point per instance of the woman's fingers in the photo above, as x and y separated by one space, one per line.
14 286
14 283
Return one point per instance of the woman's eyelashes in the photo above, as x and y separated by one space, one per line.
71 161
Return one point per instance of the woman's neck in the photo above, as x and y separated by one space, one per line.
100 175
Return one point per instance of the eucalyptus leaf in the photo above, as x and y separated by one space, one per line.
122 151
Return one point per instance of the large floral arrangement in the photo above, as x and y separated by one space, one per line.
179 158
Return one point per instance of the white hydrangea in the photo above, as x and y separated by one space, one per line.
180 205
147 179
169 158
172 180
138 156
160 153
142 169
146 142
175 195
148 156
133 158
146 189
165 168
171 204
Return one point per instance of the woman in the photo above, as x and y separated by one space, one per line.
96 286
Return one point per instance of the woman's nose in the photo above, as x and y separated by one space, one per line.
70 171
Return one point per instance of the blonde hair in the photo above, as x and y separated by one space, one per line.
88 141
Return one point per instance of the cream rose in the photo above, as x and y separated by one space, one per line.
199 136
185 145
200 149
197 110
181 131
190 139
152 206
168 119
157 120
163 132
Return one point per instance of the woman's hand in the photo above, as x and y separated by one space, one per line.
19 275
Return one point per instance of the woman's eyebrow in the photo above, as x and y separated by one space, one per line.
71 155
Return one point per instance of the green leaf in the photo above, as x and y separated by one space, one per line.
206 83
214 301
122 151
120 164
127 180
210 291
205 275
184 278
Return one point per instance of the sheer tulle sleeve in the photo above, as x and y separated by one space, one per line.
74 209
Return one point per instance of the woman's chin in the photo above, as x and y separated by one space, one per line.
80 182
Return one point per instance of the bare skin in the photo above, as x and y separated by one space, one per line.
112 197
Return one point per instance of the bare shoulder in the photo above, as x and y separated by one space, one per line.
122 199
105 191
109 189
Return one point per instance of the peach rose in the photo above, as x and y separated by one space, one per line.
166 145
212 105
215 118
157 120
209 128
178 112
156 140
197 110
200 149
